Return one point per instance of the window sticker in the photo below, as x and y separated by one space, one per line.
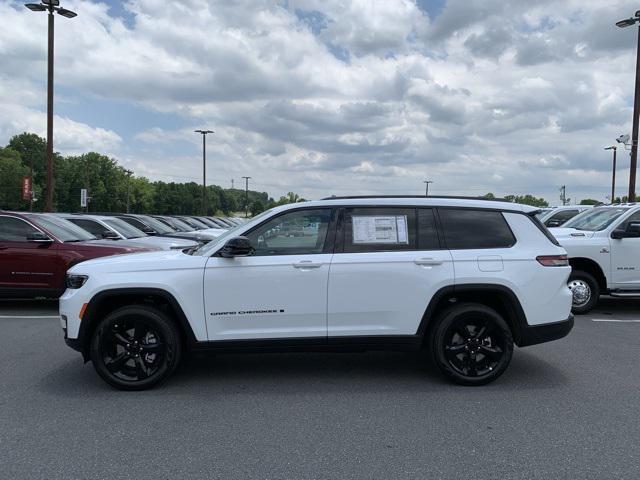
388 229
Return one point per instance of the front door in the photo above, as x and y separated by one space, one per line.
625 258
25 264
281 290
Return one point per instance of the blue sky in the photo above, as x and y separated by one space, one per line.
324 97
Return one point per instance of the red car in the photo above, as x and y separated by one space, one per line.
36 251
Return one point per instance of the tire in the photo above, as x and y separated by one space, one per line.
471 344
135 347
585 290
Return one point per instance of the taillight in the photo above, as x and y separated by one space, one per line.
553 260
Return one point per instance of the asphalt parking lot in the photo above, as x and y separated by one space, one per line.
567 409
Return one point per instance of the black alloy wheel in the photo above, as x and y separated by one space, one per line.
471 344
135 347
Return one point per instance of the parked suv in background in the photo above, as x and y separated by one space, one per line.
604 250
464 279
36 251
557 216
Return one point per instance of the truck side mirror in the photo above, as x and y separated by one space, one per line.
632 231
110 235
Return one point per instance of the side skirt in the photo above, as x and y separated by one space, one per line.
312 344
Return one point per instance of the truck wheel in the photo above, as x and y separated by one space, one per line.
585 291
471 344
135 347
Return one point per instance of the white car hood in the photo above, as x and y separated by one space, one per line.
145 261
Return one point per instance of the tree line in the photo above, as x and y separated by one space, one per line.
110 187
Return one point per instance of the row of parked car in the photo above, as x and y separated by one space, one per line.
37 249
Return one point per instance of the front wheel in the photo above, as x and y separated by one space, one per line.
585 291
135 347
471 344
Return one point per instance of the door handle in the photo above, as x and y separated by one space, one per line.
307 264
427 261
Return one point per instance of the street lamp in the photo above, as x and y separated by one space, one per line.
427 182
246 197
613 175
629 22
204 169
50 6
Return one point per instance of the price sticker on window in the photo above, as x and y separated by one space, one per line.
386 229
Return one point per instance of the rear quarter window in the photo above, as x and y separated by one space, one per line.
470 229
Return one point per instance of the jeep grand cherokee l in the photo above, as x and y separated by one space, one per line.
463 279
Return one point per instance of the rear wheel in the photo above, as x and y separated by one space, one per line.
585 291
135 348
471 344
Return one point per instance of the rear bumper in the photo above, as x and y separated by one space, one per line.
532 335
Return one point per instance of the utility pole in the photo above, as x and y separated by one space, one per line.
246 197
426 191
204 168
129 173
50 6
563 195
232 184
613 174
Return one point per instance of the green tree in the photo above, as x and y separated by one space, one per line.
12 171
589 201
527 200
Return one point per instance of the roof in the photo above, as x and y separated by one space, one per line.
414 202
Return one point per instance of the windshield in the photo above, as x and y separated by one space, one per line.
156 224
178 224
596 219
63 229
207 248
196 223
124 229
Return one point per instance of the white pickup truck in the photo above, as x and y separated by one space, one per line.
604 250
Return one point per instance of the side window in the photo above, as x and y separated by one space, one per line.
561 217
635 218
427 231
295 233
90 226
14 229
379 229
470 229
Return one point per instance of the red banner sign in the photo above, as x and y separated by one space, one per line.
26 188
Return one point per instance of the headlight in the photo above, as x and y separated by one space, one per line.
76 281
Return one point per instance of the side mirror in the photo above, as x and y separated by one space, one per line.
632 231
553 223
237 247
110 235
38 237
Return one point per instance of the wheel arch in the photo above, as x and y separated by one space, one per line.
499 297
592 267
107 301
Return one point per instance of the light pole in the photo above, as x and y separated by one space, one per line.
204 168
246 197
629 22
129 173
50 6
613 175
426 190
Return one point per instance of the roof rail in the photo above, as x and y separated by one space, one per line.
453 197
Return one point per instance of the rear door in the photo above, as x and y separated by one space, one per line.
25 264
388 265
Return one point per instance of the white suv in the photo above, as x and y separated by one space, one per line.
465 279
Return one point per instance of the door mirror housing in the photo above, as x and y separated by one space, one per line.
110 235
553 223
237 247
38 237
632 231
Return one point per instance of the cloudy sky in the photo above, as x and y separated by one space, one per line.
328 97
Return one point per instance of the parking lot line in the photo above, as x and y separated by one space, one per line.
614 320
29 316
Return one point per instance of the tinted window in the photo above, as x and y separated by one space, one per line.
467 229
295 233
379 229
427 232
136 223
123 228
89 225
14 230
596 219
560 217
61 228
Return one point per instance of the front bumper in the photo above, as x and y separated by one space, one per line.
533 335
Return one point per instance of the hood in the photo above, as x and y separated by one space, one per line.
561 233
108 247
137 262
132 244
